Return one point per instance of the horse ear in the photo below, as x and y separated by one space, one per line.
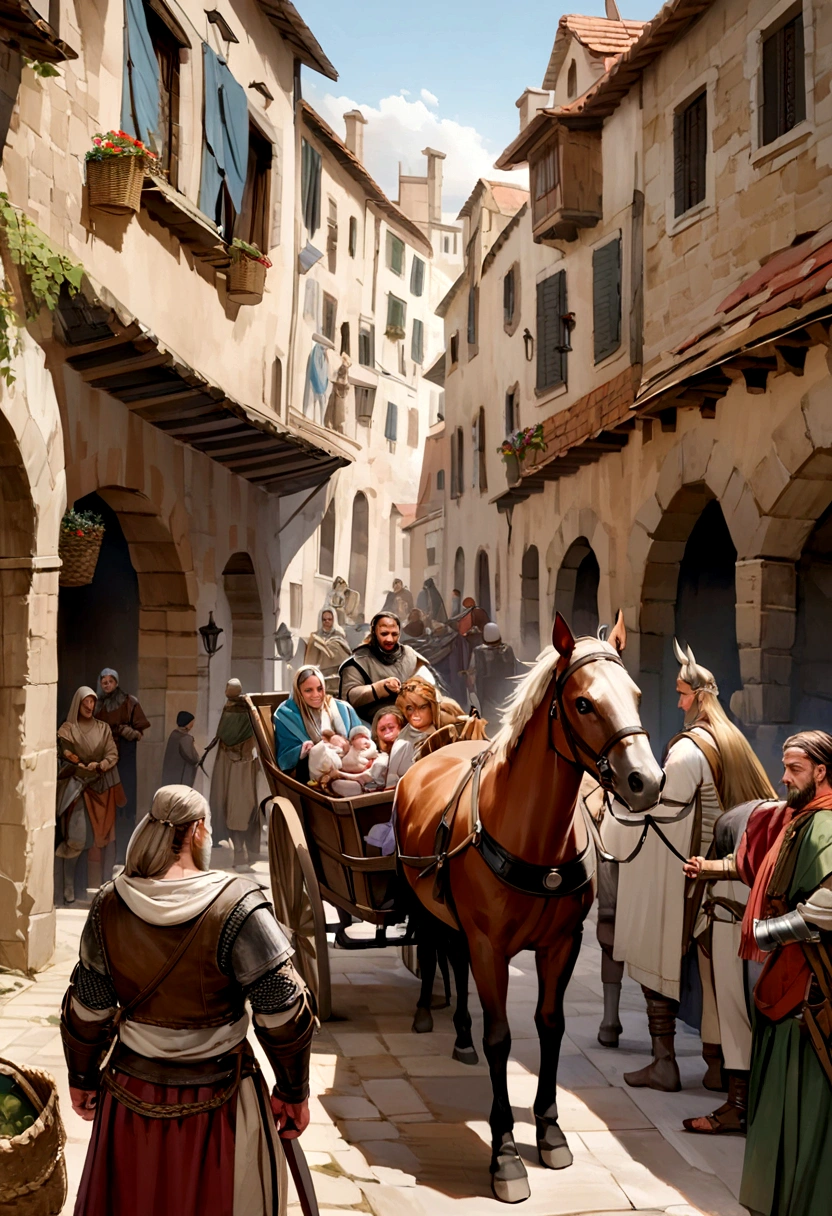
618 637
563 639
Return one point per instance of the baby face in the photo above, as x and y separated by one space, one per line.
362 743
419 713
340 744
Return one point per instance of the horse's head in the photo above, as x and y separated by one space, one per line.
595 718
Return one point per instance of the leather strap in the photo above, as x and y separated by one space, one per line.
566 879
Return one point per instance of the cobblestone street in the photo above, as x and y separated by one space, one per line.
400 1129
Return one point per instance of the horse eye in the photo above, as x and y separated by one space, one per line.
583 706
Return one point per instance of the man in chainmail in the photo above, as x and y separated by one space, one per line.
171 955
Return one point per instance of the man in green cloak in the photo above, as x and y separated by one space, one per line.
234 779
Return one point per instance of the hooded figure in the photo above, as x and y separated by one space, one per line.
234 779
372 677
128 722
328 646
301 720
155 1024
89 792
431 603
494 668
181 757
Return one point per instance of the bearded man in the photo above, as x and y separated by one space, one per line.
372 677
170 954
709 767
128 722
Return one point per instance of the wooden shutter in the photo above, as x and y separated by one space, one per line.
391 425
606 299
551 305
508 297
697 117
417 342
417 276
678 163
472 316
353 240
481 461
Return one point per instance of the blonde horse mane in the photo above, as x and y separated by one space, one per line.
523 702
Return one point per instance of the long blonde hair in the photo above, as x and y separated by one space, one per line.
307 717
444 709
743 778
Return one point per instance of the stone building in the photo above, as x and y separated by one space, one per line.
366 333
151 396
679 368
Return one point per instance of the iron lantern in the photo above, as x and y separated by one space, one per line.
567 323
284 642
211 636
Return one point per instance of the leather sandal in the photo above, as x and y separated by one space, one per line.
726 1120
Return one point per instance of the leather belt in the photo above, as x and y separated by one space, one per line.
566 879
211 1071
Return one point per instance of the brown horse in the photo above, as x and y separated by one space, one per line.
511 864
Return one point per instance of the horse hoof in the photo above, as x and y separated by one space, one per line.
422 1021
553 1150
510 1190
509 1181
466 1055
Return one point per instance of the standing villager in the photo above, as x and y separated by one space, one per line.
89 791
404 599
373 676
181 757
170 954
708 767
494 667
128 722
234 779
328 646
430 602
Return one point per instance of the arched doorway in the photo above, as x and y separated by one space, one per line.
459 573
576 591
359 546
812 663
241 591
483 583
530 602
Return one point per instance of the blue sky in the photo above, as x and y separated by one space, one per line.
445 72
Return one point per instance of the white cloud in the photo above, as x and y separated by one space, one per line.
398 129
429 98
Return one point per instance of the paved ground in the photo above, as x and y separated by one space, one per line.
400 1129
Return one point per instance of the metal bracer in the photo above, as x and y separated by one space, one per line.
783 930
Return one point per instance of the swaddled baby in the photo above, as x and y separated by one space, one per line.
326 758
357 761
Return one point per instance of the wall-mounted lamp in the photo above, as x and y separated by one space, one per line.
262 88
284 642
528 342
216 18
211 636
567 322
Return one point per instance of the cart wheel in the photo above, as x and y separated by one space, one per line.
297 900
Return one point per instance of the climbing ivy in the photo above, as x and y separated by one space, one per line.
47 272
44 70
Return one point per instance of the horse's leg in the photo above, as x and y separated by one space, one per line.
426 955
554 970
509 1180
457 947
442 960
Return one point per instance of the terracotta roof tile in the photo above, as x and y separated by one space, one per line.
601 35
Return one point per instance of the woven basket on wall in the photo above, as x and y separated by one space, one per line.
246 281
32 1166
79 556
115 184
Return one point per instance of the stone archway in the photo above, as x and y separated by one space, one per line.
243 595
576 588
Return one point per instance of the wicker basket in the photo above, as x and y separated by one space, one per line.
246 281
115 184
79 556
32 1166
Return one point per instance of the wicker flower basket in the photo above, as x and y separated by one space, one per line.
246 281
115 184
32 1167
79 556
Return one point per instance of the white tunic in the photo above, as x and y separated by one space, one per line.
650 912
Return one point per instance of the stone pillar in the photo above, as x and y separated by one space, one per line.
766 611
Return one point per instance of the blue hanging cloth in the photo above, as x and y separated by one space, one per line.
140 80
225 135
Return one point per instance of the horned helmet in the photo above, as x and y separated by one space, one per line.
691 673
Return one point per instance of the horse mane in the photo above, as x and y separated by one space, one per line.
523 702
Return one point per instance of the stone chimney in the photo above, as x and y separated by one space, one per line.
531 102
356 122
434 184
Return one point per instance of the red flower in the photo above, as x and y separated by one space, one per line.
79 532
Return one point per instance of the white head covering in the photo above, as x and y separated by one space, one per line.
698 678
106 671
149 852
80 695
491 633
233 689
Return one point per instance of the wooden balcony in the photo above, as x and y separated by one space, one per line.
566 185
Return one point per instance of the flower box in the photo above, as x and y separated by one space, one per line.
247 273
79 545
115 172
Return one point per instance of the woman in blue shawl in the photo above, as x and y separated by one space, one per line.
300 721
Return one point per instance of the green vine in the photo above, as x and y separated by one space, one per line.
44 70
47 272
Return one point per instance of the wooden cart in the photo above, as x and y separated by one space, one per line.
317 853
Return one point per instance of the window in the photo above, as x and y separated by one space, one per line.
366 344
326 546
391 422
396 317
395 253
454 349
508 297
690 150
784 83
345 338
457 463
353 237
459 573
167 46
402 361
417 341
473 309
551 305
546 181
572 81
417 277
511 419
332 237
412 427
329 314
295 605
393 538
365 400
253 222
310 194
606 299
479 474
440 479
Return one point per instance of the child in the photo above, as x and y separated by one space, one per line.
357 761
387 726
326 757
420 703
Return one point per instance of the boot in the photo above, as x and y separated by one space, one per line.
69 879
663 1072
715 1078
731 1117
240 851
610 1029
